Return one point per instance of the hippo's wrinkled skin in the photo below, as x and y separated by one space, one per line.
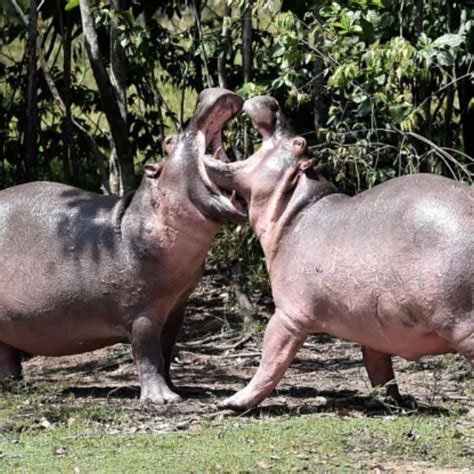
80 271
390 268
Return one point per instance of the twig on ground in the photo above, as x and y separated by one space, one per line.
243 354
207 339
235 345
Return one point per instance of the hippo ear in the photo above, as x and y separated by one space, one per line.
314 171
302 167
153 170
306 164
298 146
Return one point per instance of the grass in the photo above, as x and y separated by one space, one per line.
41 436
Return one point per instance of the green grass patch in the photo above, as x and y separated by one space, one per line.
88 438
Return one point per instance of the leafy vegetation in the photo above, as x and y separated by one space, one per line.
378 88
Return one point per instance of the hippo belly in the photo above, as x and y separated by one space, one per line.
387 336
60 329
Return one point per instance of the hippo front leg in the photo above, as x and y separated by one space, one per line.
168 339
281 342
147 352
10 361
380 371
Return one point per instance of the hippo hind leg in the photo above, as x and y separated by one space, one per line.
465 346
380 371
168 339
458 331
10 361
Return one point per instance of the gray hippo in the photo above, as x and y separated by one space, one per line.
81 271
390 268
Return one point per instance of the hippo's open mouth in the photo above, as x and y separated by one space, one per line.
210 145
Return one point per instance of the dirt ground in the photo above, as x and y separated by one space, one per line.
214 359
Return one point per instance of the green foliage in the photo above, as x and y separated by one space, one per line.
71 4
387 84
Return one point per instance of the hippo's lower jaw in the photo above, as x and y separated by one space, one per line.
228 203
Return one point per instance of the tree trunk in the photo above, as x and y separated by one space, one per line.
245 308
448 117
197 7
247 42
465 86
31 131
112 96
124 169
68 123
193 56
94 148
65 27
422 96
318 89
466 97
247 63
222 57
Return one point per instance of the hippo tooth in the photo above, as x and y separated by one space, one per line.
217 154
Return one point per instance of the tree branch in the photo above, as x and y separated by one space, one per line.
98 156
197 17
110 101
221 59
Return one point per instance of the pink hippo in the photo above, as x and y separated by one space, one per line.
390 268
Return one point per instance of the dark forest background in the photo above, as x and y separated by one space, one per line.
379 88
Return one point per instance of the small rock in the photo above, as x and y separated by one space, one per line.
320 400
44 423
470 414
71 421
60 451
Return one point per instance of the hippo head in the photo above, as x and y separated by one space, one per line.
182 173
273 167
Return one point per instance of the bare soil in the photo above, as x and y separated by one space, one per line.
215 358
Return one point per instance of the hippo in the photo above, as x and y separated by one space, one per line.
390 268
80 271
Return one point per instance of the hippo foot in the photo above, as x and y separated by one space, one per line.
160 397
173 387
238 402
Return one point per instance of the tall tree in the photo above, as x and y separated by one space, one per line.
113 97
31 132
65 29
247 55
224 49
